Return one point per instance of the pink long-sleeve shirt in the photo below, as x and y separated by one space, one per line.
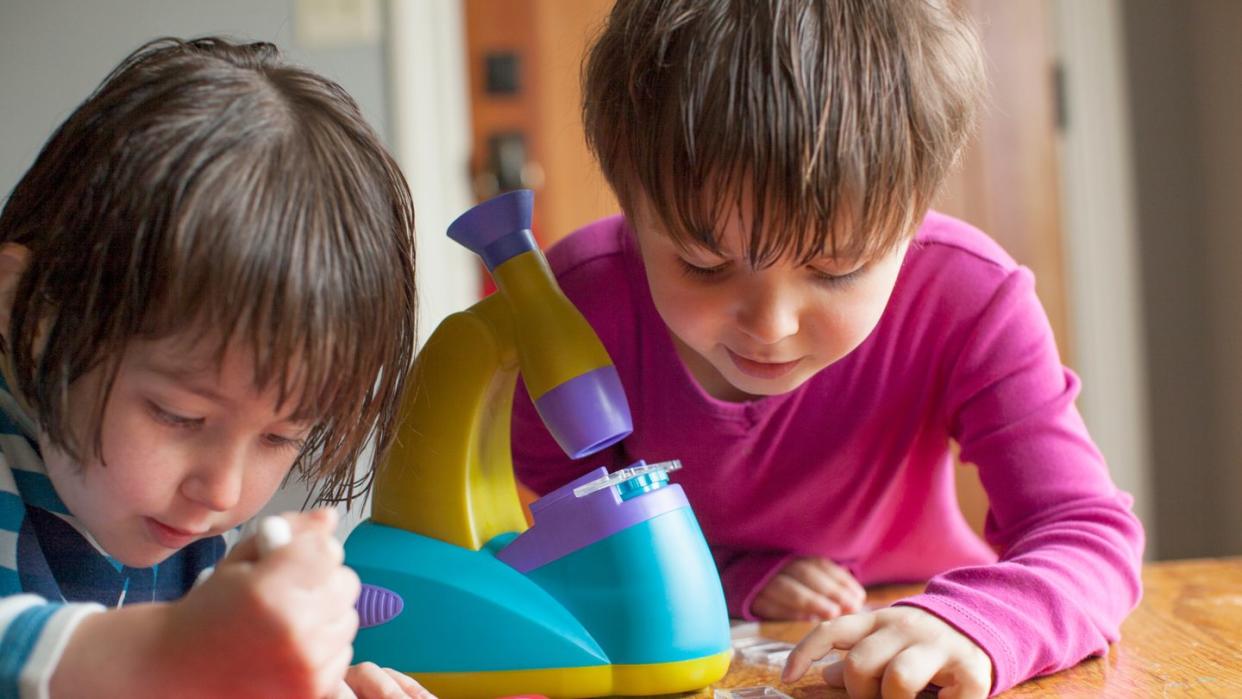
855 465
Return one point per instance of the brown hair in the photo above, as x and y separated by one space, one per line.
207 186
838 119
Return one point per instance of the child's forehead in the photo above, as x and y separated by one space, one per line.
206 365
732 239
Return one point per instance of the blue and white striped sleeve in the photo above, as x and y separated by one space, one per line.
33 631
33 636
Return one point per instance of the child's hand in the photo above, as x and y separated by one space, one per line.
370 681
895 652
279 625
809 588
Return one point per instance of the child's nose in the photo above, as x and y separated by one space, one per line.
768 316
216 481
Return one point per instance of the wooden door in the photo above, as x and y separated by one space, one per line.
543 42
1007 183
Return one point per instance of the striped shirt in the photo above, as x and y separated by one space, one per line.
52 573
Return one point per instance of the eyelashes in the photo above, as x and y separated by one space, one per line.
819 276
172 419
702 272
182 422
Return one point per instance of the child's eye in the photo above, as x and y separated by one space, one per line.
830 279
704 272
173 419
277 441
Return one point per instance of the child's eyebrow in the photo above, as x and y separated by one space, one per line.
189 378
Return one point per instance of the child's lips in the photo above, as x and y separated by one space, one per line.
762 369
170 536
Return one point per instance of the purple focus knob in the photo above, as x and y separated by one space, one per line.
377 605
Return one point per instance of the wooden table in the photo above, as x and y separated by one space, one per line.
1184 640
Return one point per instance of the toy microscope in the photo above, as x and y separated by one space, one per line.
611 591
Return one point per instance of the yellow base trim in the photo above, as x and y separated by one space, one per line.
574 682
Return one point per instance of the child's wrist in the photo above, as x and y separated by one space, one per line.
119 652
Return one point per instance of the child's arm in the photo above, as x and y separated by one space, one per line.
271 627
33 634
1070 548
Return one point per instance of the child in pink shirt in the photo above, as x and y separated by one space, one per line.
792 323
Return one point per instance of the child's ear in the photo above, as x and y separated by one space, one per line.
13 261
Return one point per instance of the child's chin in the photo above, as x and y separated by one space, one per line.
762 388
143 556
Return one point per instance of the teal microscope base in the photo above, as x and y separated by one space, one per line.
469 615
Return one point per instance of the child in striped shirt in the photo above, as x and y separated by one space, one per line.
206 285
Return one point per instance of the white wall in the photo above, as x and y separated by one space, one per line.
53 53
431 139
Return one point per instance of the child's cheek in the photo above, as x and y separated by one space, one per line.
260 486
142 462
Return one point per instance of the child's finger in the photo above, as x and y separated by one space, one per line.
834 674
322 633
827 585
369 680
866 662
843 578
322 519
335 670
808 572
306 561
805 600
910 671
407 684
958 682
249 548
766 606
244 551
840 634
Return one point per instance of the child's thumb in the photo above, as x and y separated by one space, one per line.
323 519
270 533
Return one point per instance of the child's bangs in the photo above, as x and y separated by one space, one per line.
284 279
840 187
832 131
779 222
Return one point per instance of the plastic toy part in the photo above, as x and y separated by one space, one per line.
566 522
602 680
638 485
773 653
652 476
377 605
274 532
449 474
756 649
612 590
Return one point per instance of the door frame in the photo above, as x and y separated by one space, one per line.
1101 241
